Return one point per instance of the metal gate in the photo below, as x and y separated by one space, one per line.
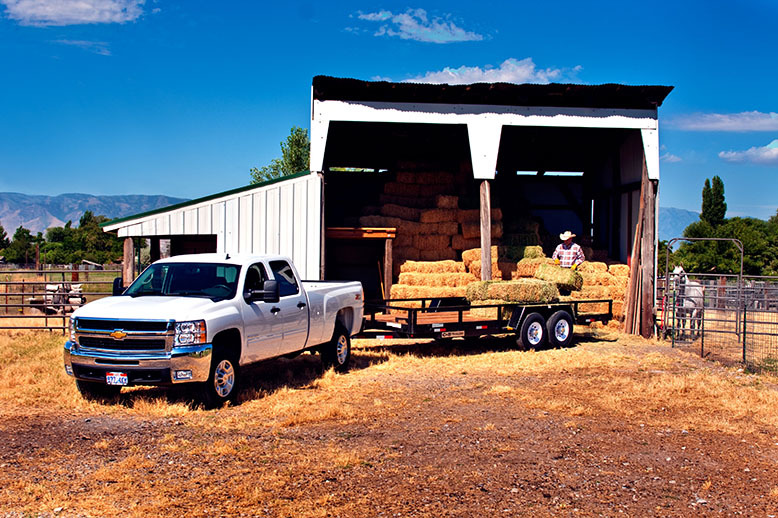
732 319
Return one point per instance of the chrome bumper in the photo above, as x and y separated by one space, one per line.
173 366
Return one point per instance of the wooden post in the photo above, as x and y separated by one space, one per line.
128 262
387 268
647 259
486 232
154 252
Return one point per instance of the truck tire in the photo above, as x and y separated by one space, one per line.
337 352
532 334
222 384
92 391
560 329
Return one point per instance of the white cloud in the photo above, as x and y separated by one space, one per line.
767 155
97 47
510 71
669 157
72 12
414 24
744 121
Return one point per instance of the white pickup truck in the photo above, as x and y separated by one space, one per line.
199 318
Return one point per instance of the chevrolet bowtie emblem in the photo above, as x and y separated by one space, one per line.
118 334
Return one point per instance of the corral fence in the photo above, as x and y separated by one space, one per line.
732 318
43 298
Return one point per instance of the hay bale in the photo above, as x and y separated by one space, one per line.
441 254
405 201
521 239
474 215
450 280
475 270
471 230
437 215
446 202
616 293
402 241
425 178
528 266
474 254
402 189
592 267
564 278
380 221
399 254
489 313
522 290
431 241
458 242
619 270
433 267
448 228
398 211
596 278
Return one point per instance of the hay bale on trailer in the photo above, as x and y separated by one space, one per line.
448 279
522 290
563 278
529 266
433 267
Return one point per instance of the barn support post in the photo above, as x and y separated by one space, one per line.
154 249
648 259
486 231
387 267
128 261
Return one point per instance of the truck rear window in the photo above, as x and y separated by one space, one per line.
216 281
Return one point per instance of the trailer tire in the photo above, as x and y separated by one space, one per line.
532 334
222 384
337 352
560 329
92 391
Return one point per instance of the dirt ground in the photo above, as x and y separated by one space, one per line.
613 426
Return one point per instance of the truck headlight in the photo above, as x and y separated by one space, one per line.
190 333
72 329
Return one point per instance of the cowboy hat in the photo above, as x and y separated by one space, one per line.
564 236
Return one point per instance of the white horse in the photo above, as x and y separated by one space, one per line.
689 304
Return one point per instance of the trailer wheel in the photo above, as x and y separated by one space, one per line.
560 329
92 391
532 334
337 352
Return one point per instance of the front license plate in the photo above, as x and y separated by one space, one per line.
451 334
116 378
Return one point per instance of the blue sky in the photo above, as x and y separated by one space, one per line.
184 97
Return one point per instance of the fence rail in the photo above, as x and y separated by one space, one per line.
44 298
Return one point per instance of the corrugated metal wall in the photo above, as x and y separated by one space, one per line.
281 218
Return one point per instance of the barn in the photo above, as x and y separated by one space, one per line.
404 171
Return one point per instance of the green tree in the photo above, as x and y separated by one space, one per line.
4 241
295 158
714 206
21 249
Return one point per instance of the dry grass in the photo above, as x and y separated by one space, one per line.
289 441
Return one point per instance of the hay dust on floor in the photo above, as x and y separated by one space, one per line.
614 425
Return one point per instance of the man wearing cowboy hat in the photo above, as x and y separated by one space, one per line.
567 253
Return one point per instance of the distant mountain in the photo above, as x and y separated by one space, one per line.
672 221
37 213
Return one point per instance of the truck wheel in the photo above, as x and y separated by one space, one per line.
222 384
337 352
532 334
560 329
92 391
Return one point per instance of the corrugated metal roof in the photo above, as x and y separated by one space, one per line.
203 199
327 88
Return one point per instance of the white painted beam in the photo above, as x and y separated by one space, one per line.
651 150
484 136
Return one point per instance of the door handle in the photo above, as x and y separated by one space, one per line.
275 309
301 305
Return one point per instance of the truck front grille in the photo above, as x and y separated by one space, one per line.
128 344
125 335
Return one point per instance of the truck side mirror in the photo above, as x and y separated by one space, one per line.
118 289
270 292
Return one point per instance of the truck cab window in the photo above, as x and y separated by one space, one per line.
284 274
255 277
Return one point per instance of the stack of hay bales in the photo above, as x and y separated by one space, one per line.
430 279
602 281
505 260
526 291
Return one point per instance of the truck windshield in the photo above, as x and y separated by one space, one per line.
215 281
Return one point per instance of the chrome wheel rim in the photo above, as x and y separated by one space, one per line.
342 349
224 378
562 330
535 333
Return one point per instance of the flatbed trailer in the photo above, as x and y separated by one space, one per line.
440 318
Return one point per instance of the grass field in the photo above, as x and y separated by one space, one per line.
616 424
